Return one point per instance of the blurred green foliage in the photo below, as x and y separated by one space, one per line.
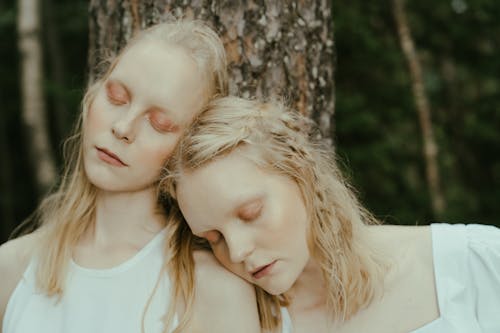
377 134
68 19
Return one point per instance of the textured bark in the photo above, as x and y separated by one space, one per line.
274 47
57 67
33 108
430 151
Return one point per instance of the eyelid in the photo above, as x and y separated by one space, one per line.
251 211
117 92
167 126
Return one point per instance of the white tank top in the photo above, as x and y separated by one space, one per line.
96 300
286 321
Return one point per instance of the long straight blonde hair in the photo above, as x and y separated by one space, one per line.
281 140
70 210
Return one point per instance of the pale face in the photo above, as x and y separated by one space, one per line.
138 115
254 220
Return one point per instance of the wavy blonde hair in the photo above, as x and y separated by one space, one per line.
69 211
281 140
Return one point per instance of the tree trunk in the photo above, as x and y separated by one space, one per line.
273 46
430 150
8 222
57 67
33 108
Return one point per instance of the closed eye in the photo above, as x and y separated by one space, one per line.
251 211
117 93
161 122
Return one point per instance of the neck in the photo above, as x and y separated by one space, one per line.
308 292
126 216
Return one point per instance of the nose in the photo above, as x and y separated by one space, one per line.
239 244
123 127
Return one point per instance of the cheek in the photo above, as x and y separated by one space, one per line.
95 119
157 154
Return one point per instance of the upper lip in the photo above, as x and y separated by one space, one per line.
104 150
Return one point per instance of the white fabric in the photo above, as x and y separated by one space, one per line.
286 321
467 275
95 300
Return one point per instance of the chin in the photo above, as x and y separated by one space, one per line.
101 179
277 286
103 183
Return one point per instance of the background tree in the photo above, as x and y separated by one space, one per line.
274 46
33 99
378 137
430 148
19 192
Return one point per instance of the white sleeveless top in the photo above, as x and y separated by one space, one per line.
467 277
96 300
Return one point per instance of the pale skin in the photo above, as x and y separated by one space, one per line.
255 227
130 130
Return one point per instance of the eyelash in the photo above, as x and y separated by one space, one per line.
159 128
119 101
116 101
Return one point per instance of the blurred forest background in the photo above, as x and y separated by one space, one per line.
377 133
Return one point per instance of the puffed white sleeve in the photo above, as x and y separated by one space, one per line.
484 264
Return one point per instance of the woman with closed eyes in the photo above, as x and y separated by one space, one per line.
100 261
251 180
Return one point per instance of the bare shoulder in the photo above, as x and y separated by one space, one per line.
222 298
407 240
218 284
14 258
408 249
409 286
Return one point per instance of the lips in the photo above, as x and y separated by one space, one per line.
109 157
262 270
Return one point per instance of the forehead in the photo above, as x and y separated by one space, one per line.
219 186
226 175
160 73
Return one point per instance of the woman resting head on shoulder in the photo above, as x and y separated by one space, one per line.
252 180
99 261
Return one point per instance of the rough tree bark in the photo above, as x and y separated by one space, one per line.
33 108
430 150
273 46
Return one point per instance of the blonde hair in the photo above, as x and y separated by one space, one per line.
279 139
67 213
181 263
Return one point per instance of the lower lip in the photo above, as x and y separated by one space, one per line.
265 271
109 159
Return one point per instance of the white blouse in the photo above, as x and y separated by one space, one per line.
96 300
467 276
